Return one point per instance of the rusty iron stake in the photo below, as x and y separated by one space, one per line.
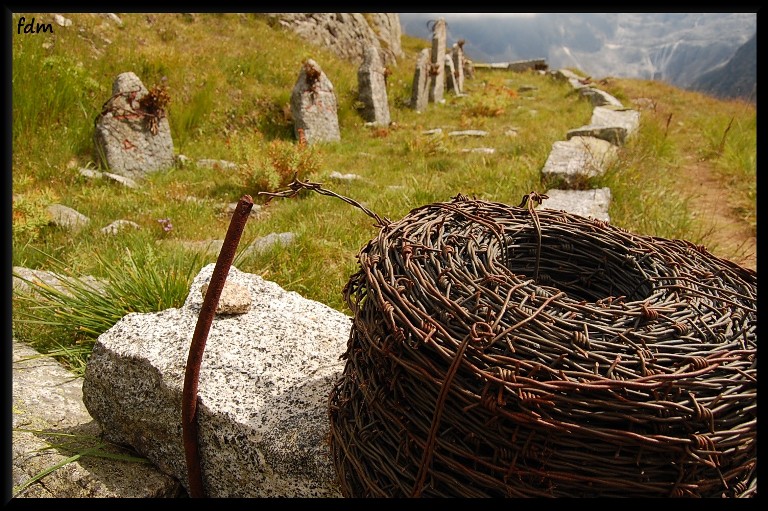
203 326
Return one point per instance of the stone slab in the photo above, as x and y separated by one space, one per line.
578 158
262 395
588 203
50 424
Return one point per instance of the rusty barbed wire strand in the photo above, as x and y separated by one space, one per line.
297 185
501 351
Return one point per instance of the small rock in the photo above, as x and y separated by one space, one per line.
113 17
125 181
230 209
90 173
64 216
27 280
62 21
343 177
266 242
234 299
118 225
468 133
436 131
202 246
484 150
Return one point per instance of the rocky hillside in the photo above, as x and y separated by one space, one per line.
736 79
347 33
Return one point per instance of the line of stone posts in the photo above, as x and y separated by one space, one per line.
437 70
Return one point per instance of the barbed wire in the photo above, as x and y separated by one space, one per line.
501 351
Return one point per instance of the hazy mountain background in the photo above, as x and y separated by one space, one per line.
734 79
710 52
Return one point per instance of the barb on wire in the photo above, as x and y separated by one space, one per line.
534 199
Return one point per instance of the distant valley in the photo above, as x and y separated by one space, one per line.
696 51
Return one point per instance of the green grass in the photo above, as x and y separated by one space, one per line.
230 85
66 321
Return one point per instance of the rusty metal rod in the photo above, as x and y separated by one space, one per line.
203 326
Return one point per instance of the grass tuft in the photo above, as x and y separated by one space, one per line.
65 320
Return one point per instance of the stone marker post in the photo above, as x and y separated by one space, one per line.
458 65
420 90
313 106
437 73
468 69
450 75
372 88
132 139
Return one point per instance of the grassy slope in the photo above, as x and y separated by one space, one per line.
230 78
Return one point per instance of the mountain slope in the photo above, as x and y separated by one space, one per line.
736 79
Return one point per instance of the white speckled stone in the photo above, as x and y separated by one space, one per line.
262 397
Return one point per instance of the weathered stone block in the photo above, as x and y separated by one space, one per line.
599 97
578 158
125 142
372 88
420 88
437 71
313 106
589 203
619 117
262 397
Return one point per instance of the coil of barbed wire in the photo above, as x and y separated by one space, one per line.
501 351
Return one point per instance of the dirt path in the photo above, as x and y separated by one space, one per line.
731 238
